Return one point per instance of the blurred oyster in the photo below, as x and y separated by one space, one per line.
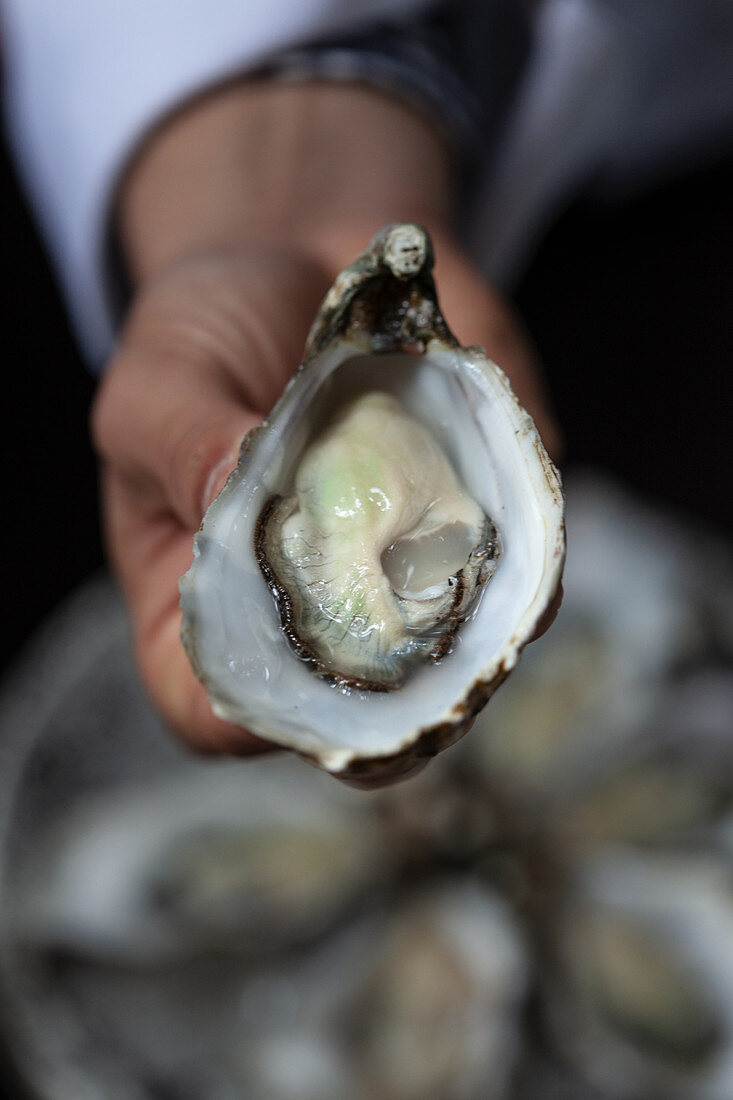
645 1003
586 691
546 912
246 858
421 1003
439 1013
372 504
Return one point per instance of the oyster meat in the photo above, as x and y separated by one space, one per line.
378 553
389 541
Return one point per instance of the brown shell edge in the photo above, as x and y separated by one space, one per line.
375 771
398 320
369 772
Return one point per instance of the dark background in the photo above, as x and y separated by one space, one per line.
628 305
50 530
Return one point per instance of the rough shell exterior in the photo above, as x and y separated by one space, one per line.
380 321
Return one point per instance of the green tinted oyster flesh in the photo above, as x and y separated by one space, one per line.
378 553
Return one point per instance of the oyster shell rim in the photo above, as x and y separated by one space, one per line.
423 330
417 746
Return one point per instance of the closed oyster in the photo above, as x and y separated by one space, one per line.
338 601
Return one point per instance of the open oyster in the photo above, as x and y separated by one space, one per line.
389 540
379 553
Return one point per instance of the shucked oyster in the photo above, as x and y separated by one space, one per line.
396 476
378 553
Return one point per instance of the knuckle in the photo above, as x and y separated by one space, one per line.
116 406
103 415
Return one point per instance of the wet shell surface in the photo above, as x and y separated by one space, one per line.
388 542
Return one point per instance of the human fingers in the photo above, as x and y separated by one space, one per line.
208 348
478 314
150 551
168 424
150 548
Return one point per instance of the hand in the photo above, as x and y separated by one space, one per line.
212 338
206 352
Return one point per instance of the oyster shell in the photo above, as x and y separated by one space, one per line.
418 1002
643 1003
390 418
245 859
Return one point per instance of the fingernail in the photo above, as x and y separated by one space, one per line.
217 478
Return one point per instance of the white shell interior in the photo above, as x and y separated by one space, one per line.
231 621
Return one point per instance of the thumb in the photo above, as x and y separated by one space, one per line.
171 430
205 351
